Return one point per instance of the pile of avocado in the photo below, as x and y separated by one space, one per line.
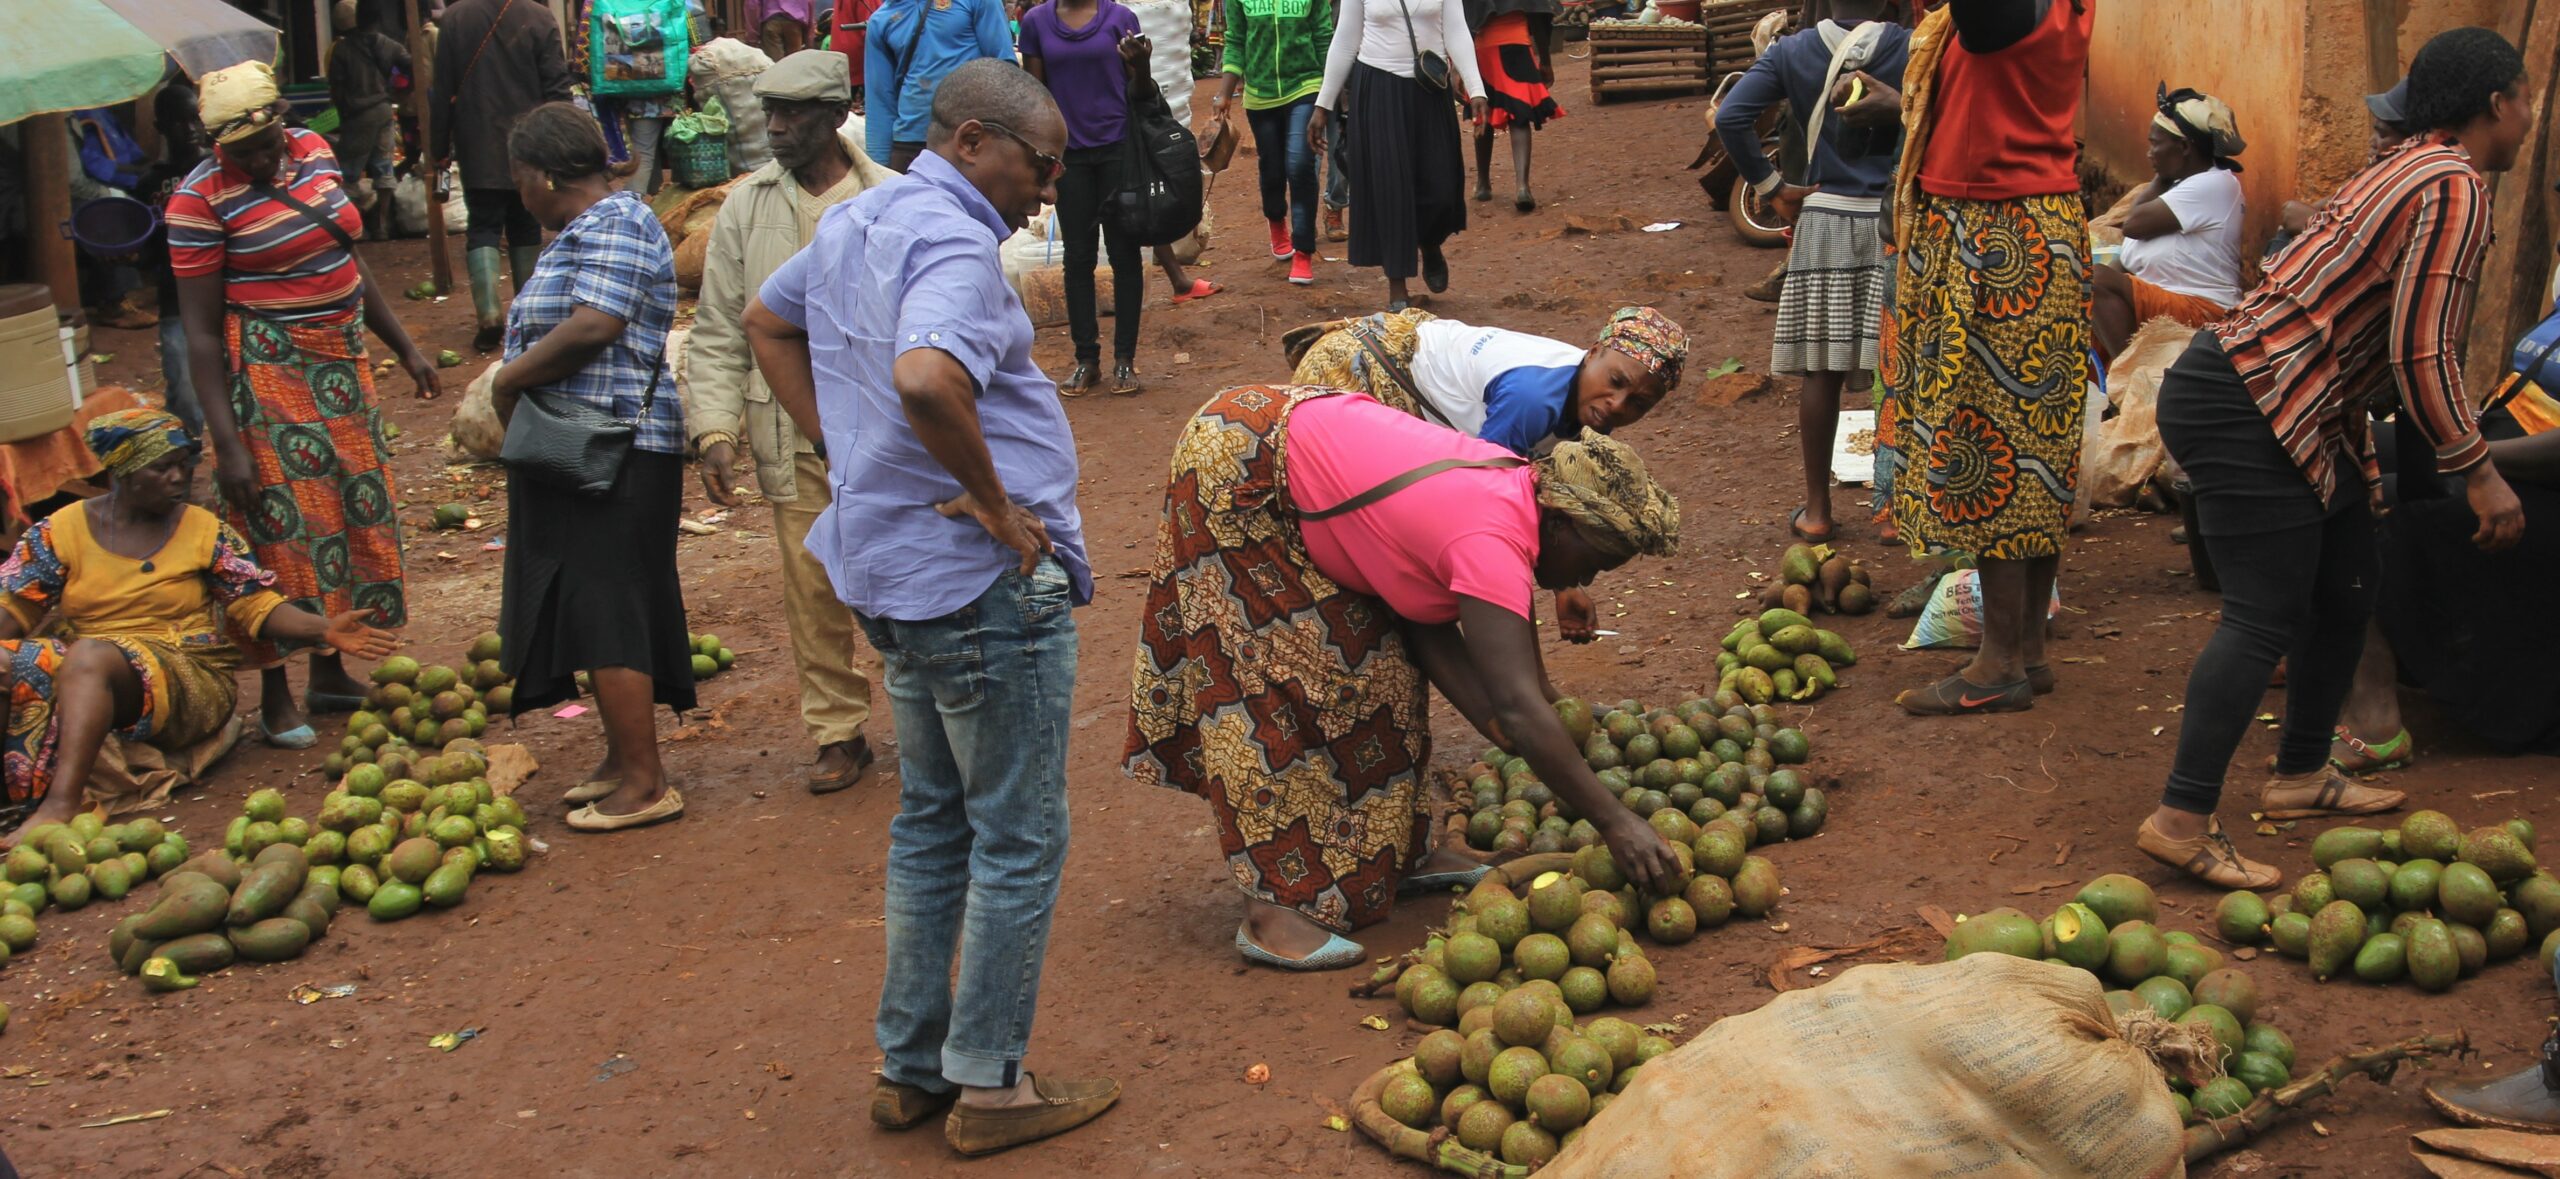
1679 769
67 865
710 656
2422 902
413 708
2111 930
1521 1086
392 846
1781 655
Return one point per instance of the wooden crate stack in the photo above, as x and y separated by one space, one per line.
1728 24
1647 61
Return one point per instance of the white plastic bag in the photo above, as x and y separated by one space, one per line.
1167 24
1954 614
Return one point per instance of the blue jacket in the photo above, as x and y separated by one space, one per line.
1793 71
907 48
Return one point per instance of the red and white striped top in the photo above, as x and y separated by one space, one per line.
2380 285
274 260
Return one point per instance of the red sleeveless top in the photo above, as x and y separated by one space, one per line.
2003 122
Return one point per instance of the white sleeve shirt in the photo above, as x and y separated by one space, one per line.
1374 32
2203 257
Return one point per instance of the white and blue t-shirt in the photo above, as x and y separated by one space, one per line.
1508 388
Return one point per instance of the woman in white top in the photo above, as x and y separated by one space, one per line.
2182 238
1396 67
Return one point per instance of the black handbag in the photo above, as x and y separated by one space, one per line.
1429 68
560 440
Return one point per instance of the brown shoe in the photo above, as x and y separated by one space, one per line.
899 1106
2322 793
859 749
1768 289
2521 1101
1334 229
1063 1106
2208 857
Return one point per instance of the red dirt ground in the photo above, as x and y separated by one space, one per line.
733 966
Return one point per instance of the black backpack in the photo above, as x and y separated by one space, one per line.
1159 198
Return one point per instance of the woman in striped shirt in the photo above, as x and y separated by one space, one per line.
276 302
2268 413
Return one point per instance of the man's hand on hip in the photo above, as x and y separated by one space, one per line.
1010 523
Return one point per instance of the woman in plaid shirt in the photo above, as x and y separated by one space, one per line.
2268 413
591 580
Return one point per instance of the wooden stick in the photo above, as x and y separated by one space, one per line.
1680 73
1687 56
422 72
2214 1135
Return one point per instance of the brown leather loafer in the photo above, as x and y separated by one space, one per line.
899 1106
1063 1106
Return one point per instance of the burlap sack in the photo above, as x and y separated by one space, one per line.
1987 1067
2125 451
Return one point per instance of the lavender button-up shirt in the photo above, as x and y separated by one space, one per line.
913 264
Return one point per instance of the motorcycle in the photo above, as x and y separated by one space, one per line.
1752 218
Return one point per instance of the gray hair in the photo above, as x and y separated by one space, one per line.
988 91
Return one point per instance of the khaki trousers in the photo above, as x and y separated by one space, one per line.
835 697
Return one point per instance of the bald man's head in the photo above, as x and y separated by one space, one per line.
990 91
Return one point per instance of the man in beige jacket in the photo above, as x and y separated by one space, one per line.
766 219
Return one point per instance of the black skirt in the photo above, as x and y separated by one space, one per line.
591 583
1408 178
2245 483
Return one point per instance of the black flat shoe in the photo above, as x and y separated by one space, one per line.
1081 379
1435 270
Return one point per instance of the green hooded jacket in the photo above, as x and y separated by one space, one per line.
1278 48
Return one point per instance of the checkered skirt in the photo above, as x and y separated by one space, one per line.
1834 296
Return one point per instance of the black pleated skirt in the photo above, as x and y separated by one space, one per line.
591 583
1408 178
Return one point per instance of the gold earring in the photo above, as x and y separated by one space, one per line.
551 182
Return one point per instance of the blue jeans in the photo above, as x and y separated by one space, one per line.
173 369
1287 169
981 698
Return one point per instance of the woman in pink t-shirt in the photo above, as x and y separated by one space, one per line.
1322 558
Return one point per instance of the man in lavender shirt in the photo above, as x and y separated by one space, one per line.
953 533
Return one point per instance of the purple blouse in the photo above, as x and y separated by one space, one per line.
1084 69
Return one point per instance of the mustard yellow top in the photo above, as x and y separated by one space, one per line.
202 592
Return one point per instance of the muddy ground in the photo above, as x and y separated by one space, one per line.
695 999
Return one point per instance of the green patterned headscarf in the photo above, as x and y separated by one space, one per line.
128 440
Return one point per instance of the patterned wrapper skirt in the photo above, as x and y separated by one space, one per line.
1512 58
1986 361
324 522
1372 354
1282 698
1834 296
185 699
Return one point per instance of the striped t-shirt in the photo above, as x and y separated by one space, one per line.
2379 286
275 261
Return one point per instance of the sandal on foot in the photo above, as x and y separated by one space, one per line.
2208 857
1795 524
2521 1101
588 818
301 736
1431 882
1958 696
896 1105
2323 793
1337 953
2387 755
1081 379
591 790
1201 288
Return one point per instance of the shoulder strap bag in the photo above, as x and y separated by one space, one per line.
570 444
1429 68
1405 480
327 224
453 97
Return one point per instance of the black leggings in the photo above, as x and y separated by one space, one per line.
2303 595
497 210
1092 175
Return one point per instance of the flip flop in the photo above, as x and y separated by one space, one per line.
330 703
1337 953
301 736
1201 288
591 790
1795 524
588 818
1957 696
1430 882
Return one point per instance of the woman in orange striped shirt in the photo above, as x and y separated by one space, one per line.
2268 405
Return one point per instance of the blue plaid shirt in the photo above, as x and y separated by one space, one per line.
614 258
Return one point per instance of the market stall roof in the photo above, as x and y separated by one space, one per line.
64 55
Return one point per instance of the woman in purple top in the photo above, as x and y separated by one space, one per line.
1094 60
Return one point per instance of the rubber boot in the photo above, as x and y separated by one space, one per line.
520 260
483 264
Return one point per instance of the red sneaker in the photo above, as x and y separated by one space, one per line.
1280 247
1303 271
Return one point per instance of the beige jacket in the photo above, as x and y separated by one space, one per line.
757 230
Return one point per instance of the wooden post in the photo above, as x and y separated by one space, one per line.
46 140
2382 44
422 72
2513 294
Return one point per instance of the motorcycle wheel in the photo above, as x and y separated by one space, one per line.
1752 218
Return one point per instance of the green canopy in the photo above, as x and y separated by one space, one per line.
62 55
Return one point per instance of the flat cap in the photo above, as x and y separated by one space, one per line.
811 75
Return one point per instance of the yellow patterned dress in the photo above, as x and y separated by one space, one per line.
1372 355
175 615
1284 699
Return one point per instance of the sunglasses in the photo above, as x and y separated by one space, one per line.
1051 167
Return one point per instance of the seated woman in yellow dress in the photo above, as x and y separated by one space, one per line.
147 596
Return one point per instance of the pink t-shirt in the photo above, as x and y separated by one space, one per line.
1471 531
